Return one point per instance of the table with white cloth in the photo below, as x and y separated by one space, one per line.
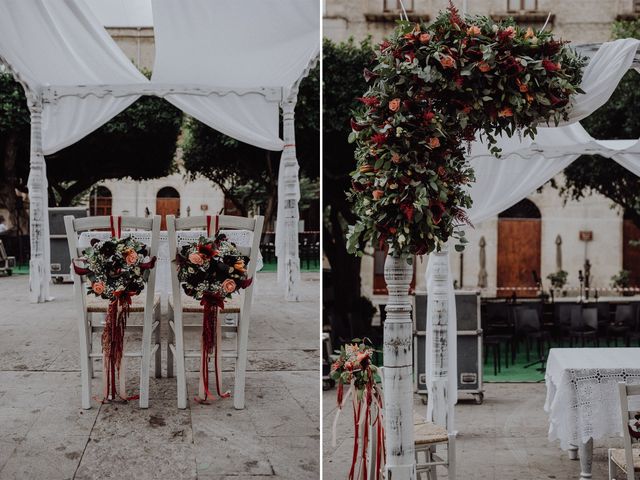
242 238
582 396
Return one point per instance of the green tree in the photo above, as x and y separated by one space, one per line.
248 175
343 79
139 143
614 120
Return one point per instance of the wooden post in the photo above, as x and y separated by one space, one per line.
440 406
39 264
398 371
289 194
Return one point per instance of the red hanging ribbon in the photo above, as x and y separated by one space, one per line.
216 221
210 327
116 229
113 340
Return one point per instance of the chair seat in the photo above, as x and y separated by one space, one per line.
428 433
191 305
618 457
98 305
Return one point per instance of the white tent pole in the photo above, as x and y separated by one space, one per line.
39 264
398 371
289 195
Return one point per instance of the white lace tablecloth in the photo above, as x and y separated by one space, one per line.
582 392
242 238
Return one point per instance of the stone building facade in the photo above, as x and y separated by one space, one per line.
523 239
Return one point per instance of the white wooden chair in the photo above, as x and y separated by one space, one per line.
180 304
626 459
428 436
91 312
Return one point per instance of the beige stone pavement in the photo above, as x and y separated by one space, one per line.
44 434
505 438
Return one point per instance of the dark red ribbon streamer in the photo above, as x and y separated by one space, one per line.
211 303
113 339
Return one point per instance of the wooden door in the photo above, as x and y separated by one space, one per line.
518 255
630 253
167 206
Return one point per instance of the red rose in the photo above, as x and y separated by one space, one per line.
549 66
428 116
437 211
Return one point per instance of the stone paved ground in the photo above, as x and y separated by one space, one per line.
505 438
44 434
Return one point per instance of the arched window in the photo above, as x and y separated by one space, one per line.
100 201
519 250
167 203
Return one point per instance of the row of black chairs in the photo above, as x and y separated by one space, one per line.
523 324
308 247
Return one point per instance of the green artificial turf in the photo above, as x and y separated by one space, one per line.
304 267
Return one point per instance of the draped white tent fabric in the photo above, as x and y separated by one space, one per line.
527 164
219 61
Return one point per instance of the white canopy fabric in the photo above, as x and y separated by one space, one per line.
527 164
235 46
122 13
62 43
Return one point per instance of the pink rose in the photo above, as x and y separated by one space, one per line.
229 286
97 287
196 259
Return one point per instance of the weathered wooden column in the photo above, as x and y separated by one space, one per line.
398 371
441 398
39 264
289 195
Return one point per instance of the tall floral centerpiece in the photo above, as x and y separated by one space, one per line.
432 90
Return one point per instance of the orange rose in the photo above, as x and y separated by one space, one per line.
229 286
394 105
505 112
97 287
196 258
484 67
529 98
239 265
434 142
529 33
131 257
424 37
377 194
473 31
395 158
447 61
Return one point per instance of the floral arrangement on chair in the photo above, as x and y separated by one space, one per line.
634 426
116 270
432 89
354 368
211 271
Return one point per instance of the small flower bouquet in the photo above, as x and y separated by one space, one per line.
634 426
354 368
116 270
211 270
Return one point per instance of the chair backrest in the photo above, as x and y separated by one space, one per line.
590 317
224 222
627 391
75 226
577 320
527 319
625 314
562 313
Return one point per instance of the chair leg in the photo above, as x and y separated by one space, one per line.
451 456
180 368
171 340
85 360
146 358
157 315
241 361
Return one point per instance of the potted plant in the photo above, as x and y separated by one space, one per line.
558 281
621 282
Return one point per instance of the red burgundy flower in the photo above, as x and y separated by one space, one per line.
355 126
369 101
408 211
549 66
379 139
437 210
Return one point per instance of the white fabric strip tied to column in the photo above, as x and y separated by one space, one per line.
524 166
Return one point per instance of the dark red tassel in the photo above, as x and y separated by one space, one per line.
113 340
209 335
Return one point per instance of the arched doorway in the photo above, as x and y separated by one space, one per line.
631 253
167 203
100 201
519 238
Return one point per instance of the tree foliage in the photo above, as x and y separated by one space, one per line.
343 82
614 120
139 143
248 175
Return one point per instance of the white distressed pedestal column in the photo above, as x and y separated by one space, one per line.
39 264
289 195
398 372
440 405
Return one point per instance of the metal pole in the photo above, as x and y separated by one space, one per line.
398 371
